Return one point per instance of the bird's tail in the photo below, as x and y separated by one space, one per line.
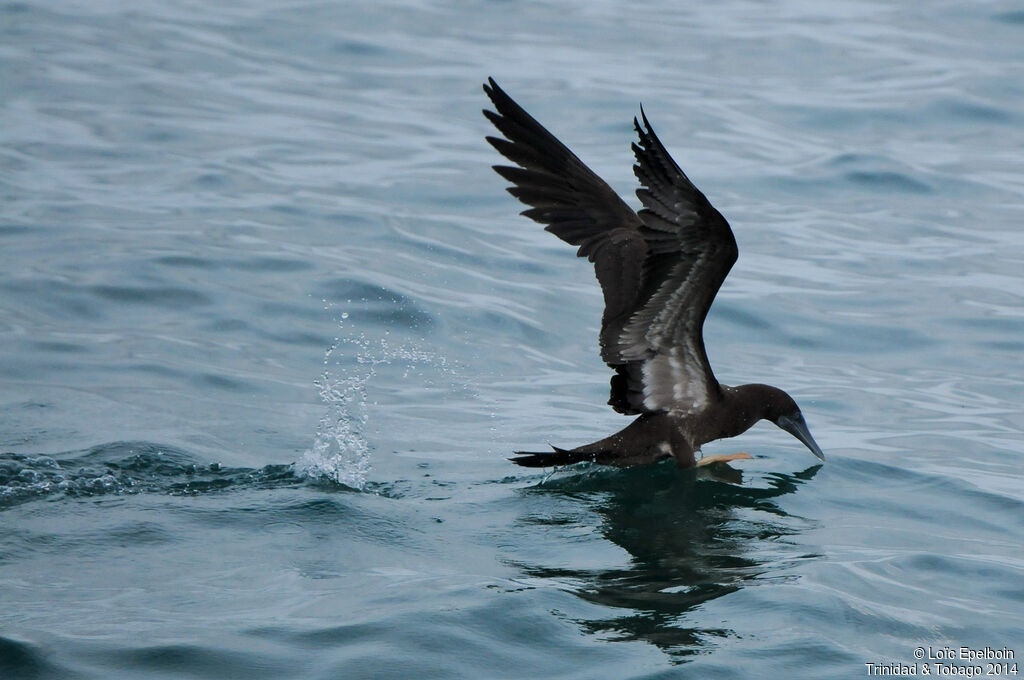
555 457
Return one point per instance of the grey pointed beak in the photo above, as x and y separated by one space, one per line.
796 426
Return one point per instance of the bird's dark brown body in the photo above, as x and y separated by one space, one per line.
659 269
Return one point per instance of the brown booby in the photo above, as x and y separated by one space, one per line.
659 270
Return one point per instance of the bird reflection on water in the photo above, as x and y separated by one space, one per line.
703 546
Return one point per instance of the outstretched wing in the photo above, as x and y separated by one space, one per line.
659 270
691 250
577 206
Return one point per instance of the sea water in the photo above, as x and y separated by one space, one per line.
271 328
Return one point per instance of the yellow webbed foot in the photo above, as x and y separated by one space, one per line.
711 460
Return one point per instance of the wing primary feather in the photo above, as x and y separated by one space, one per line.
659 268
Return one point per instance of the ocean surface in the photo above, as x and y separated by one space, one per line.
270 328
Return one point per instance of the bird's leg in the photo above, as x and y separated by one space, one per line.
711 460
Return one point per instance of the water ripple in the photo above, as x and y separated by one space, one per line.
125 468
193 196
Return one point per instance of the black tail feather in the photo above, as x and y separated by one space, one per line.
551 458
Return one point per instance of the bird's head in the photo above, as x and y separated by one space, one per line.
779 408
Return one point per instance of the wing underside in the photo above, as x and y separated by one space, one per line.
659 269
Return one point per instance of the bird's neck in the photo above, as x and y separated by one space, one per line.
741 407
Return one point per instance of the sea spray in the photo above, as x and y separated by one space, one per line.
341 451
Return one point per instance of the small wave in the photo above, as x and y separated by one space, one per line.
878 172
888 180
1015 17
22 659
125 468
25 477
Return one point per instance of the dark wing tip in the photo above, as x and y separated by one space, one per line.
497 95
646 133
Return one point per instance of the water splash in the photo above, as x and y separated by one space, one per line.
341 452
